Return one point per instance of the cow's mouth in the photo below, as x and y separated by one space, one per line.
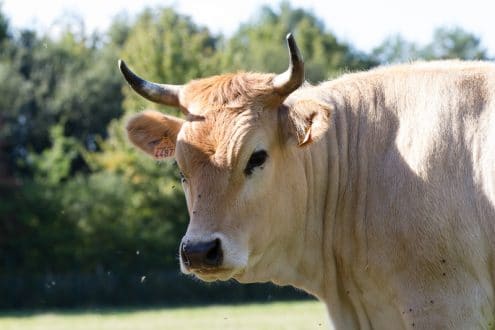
214 274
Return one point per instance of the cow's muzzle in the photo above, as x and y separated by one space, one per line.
201 255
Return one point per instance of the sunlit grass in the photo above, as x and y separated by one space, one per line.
280 315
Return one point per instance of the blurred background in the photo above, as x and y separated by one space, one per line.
87 222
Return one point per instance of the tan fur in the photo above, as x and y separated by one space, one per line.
228 90
386 212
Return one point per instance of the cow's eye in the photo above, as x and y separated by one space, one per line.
182 177
257 159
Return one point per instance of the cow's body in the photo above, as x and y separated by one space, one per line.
375 192
402 190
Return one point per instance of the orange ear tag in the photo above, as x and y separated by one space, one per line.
165 148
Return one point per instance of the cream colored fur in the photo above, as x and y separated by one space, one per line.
387 214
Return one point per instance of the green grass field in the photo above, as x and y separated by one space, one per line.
286 315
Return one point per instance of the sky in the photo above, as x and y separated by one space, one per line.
364 24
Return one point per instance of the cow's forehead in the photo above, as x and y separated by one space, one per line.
224 110
227 90
216 137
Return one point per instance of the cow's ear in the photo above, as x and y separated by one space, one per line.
305 121
154 133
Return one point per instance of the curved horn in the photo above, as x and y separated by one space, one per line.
159 93
287 82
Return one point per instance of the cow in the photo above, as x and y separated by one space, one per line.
374 192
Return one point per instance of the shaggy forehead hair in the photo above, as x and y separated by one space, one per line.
234 90
218 117
217 135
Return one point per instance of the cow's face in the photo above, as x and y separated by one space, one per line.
237 154
228 165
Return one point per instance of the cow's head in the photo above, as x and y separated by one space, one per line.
237 152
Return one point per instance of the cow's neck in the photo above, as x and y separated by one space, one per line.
346 238
336 175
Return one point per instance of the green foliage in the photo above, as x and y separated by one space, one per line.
89 96
53 81
447 43
89 223
4 26
125 216
54 164
133 227
164 46
451 43
14 91
395 49
257 45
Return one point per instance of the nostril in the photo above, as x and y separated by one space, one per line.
183 254
197 255
214 255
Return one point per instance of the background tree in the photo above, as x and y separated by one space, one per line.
4 26
52 87
447 43
258 45
395 49
452 43
167 47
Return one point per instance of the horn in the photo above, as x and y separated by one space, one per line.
159 93
287 82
